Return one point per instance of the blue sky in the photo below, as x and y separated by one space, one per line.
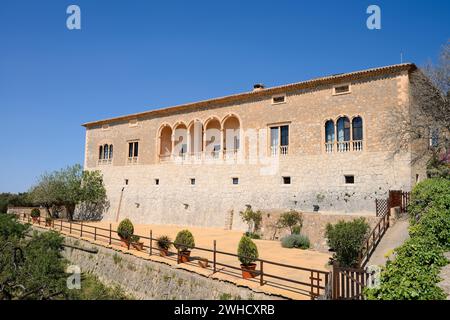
132 56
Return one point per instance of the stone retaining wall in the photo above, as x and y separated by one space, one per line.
149 280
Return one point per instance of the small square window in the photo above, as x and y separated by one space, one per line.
235 180
157 182
341 89
192 181
126 182
286 180
133 123
349 179
278 99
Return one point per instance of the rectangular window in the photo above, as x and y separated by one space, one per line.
133 149
235 181
350 179
126 182
279 140
286 180
157 182
192 181
341 89
278 99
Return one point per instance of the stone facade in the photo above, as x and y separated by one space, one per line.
156 189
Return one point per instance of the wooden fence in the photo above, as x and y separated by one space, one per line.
319 280
349 283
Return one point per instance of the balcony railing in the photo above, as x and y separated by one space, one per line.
343 146
279 150
104 161
201 156
132 160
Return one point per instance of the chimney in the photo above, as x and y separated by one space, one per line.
258 87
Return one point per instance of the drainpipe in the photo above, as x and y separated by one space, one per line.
120 203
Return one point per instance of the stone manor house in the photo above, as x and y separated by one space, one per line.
313 145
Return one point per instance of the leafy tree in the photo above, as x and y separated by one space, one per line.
290 220
14 200
30 268
346 239
247 251
69 187
252 218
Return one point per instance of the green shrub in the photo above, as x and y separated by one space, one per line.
35 213
429 193
184 240
290 220
435 223
247 251
296 229
134 238
164 242
413 274
252 235
346 239
252 218
126 229
295 241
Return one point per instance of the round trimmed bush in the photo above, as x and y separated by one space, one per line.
296 241
35 213
247 251
126 229
184 240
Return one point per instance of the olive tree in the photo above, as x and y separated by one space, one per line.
69 188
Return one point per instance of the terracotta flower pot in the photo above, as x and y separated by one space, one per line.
248 271
184 256
203 263
163 252
124 242
138 245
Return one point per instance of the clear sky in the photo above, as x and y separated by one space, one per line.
133 56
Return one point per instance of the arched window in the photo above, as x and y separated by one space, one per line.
105 151
329 131
110 151
343 129
357 129
100 153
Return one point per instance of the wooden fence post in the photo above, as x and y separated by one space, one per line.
110 232
151 242
81 230
214 255
261 278
95 233
70 227
61 226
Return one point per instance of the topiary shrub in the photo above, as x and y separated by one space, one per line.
35 213
125 229
296 241
346 239
184 240
164 242
290 220
247 251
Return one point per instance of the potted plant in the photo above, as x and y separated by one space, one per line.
48 221
183 242
125 232
164 243
35 214
248 254
138 245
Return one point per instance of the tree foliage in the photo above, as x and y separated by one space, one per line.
252 218
247 251
346 239
68 188
414 271
291 219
